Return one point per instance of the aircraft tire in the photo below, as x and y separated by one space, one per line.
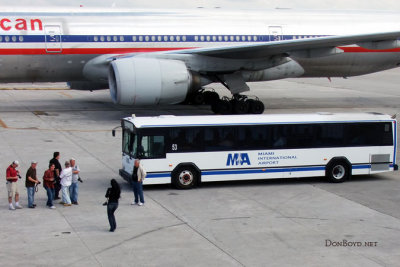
256 107
198 98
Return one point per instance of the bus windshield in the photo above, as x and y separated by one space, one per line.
129 143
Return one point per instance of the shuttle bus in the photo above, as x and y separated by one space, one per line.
187 150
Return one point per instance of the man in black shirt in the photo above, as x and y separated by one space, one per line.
57 171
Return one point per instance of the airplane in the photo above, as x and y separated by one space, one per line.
152 57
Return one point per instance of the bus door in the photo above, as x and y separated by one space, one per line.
53 39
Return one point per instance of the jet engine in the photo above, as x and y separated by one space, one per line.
150 81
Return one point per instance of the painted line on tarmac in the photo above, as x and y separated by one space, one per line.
65 94
3 124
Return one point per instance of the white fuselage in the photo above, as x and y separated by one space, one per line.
55 45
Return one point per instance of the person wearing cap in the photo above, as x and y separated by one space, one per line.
12 175
30 183
66 179
73 189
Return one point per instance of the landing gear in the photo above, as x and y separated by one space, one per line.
238 104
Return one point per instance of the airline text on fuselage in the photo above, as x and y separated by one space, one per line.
7 24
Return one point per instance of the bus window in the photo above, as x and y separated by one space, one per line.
253 137
151 146
185 139
129 143
219 138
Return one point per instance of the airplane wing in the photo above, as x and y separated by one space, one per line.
385 40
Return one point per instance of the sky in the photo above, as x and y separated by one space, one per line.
225 4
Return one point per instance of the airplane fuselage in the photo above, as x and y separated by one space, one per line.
55 45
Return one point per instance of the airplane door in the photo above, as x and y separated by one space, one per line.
53 38
275 33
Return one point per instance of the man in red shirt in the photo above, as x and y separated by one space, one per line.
12 175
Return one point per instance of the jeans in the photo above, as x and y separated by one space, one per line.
50 196
111 208
73 191
138 191
31 195
65 195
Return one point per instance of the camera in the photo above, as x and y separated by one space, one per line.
79 179
19 176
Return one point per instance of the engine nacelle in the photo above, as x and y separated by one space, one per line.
149 81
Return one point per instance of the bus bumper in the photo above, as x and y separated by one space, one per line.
395 167
125 175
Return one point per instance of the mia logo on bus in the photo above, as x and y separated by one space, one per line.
238 159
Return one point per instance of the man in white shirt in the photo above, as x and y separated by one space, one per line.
66 180
73 190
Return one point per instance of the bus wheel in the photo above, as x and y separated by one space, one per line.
338 171
185 177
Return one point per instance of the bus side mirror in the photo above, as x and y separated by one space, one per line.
113 133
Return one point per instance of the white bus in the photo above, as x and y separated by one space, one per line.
187 150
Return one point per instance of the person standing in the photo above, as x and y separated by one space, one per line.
57 172
113 194
66 179
73 190
30 183
12 175
48 184
138 175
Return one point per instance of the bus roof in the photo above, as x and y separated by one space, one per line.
230 120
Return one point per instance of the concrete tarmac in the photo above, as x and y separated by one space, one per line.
298 222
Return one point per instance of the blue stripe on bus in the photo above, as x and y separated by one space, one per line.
263 170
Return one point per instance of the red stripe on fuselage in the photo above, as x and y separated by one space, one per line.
100 51
84 51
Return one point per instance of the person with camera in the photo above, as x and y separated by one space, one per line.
30 183
48 184
113 194
73 189
12 175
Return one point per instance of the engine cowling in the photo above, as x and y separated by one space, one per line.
149 81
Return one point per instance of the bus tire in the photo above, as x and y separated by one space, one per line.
185 177
337 171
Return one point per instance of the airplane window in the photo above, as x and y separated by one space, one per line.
121 38
134 38
153 38
14 38
243 38
238 38
115 38
202 38
21 38
140 38
108 38
1 39
184 38
178 38
96 38
254 38
226 38
159 38
147 38
208 38
249 38
219 38
165 38
171 38
196 38
214 38
102 38
7 38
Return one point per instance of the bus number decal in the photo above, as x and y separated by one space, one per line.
174 147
